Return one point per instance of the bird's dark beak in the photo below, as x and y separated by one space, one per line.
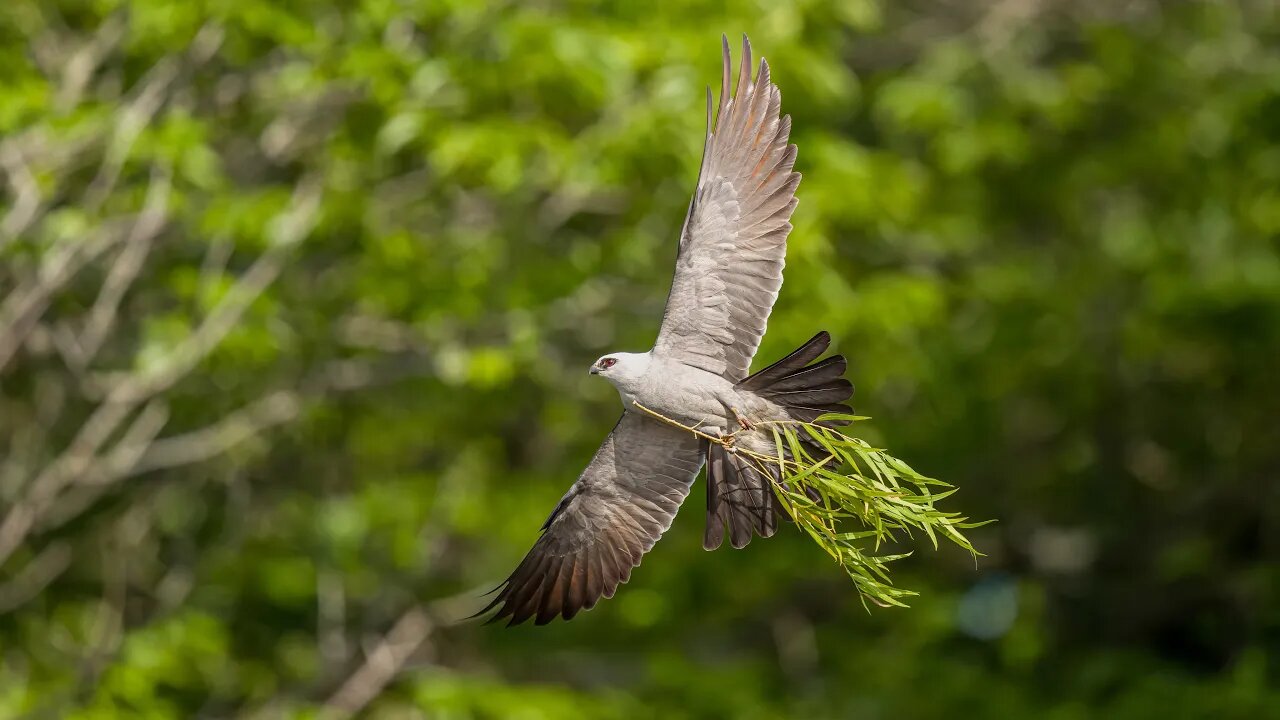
595 370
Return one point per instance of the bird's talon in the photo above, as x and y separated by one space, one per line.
745 423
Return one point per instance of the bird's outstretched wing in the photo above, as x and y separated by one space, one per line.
615 512
734 240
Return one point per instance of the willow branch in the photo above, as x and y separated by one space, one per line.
852 482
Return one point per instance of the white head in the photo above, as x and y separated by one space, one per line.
624 370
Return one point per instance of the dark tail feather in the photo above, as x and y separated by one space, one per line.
806 391
739 498
788 365
824 371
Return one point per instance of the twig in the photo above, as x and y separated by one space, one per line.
137 114
199 445
381 665
23 307
79 70
721 440
51 562
125 270
139 451
288 229
729 440
26 205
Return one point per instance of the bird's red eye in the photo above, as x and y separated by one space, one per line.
608 363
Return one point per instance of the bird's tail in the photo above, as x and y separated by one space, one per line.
806 391
739 490
739 497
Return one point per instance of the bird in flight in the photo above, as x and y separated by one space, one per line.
728 272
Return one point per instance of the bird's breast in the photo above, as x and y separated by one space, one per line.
678 392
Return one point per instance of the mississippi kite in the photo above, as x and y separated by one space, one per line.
728 272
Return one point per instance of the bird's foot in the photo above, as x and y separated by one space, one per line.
745 423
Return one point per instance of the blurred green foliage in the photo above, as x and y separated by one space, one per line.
1045 234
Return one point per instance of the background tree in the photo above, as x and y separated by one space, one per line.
296 299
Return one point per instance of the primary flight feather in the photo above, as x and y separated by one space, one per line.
728 272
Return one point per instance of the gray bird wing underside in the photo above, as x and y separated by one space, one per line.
734 241
615 512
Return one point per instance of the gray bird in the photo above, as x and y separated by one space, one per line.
728 272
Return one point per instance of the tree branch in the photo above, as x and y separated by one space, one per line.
287 231
381 665
125 270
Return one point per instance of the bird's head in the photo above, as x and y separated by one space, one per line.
621 368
